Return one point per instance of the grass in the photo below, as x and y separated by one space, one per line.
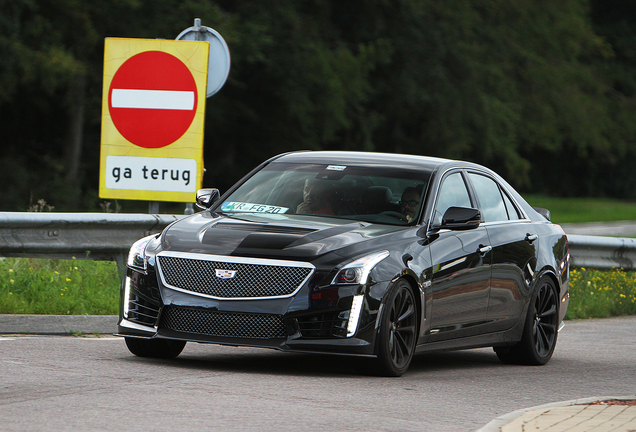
582 210
601 294
78 287
58 287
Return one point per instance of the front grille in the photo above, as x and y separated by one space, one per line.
251 280
223 324
326 325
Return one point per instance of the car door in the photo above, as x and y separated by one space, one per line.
514 251
461 268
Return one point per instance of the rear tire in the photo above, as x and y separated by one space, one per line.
398 332
540 331
155 348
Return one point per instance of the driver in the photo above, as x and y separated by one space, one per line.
315 201
409 203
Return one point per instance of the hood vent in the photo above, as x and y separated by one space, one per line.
264 228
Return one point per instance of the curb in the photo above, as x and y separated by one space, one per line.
58 324
501 421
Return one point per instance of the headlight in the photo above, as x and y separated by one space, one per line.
357 272
137 254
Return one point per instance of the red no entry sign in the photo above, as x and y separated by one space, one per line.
152 99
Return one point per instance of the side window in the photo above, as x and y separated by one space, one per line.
513 213
452 193
492 204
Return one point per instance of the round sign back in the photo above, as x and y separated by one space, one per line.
219 58
152 99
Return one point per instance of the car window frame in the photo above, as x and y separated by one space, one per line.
522 217
442 177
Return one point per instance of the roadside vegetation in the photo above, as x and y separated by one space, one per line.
582 210
58 287
78 287
601 294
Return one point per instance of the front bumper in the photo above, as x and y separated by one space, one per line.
315 319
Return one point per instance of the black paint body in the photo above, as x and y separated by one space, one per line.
472 286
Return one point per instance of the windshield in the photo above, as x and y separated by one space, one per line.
373 194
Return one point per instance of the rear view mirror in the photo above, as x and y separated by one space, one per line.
543 212
207 197
461 218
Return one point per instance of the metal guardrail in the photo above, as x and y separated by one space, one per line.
96 236
108 236
603 253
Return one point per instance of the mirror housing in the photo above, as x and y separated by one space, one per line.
461 218
543 212
207 197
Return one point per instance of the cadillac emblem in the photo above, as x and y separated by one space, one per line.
225 274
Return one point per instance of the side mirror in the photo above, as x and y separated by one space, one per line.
207 197
543 212
461 218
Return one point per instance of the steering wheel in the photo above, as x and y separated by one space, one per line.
396 215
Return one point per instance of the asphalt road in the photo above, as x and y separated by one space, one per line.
74 383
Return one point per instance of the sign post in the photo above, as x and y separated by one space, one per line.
153 112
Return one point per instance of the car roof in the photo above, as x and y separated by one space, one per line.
368 158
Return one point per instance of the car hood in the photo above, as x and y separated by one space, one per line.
269 236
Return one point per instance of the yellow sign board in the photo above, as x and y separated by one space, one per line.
153 113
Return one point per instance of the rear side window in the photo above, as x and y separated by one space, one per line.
513 213
493 208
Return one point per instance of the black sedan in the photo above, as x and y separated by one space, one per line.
379 256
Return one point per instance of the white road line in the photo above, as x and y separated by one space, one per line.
153 99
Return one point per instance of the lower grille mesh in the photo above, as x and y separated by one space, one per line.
212 323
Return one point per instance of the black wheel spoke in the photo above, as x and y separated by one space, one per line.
406 330
406 314
404 300
547 299
548 313
401 343
397 352
541 343
548 328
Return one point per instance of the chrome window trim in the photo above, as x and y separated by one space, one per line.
238 260
508 222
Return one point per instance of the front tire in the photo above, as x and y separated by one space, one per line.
398 331
540 331
155 348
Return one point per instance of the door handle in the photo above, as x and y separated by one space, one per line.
483 250
531 237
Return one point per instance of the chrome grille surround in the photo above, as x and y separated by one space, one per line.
255 278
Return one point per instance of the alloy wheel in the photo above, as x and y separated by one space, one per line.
402 325
544 326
